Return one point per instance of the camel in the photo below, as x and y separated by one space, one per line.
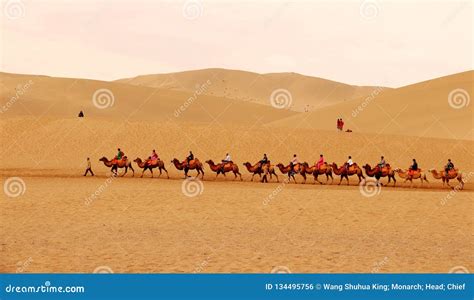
452 174
116 164
151 165
375 172
228 167
325 169
297 169
419 174
193 164
345 173
257 169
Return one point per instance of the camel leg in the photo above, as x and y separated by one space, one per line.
159 169
251 179
133 171
126 169
151 170
202 173
316 178
240 175
166 173
347 178
143 171
278 180
340 180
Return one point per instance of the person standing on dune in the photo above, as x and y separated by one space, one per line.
89 167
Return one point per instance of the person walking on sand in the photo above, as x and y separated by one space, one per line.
342 125
89 167
338 126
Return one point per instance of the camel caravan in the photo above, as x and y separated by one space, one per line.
266 171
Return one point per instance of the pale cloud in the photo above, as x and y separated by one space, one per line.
402 43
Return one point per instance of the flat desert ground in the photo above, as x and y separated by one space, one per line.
60 221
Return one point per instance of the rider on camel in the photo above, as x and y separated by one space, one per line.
348 163
189 158
226 160
413 167
449 166
293 162
320 162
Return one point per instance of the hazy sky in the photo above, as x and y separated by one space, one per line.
358 42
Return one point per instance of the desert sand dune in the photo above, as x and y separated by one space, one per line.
420 109
150 225
306 91
65 97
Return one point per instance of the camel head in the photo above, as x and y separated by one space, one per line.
103 158
138 160
175 161
247 164
210 162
